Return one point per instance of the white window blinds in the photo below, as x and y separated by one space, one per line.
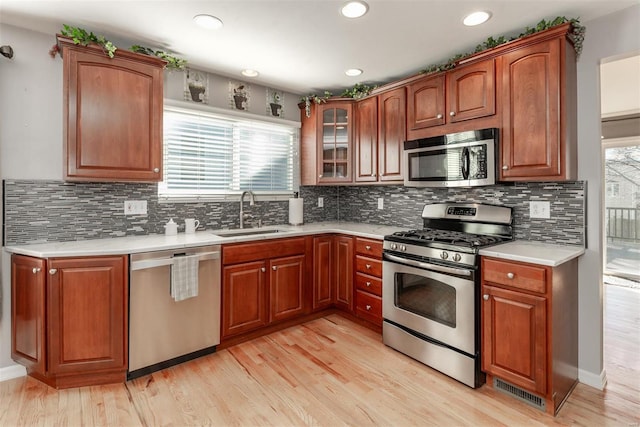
207 155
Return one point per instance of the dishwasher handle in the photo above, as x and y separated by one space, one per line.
162 261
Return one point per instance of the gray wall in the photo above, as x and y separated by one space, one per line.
614 35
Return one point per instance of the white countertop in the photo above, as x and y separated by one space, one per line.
159 242
534 252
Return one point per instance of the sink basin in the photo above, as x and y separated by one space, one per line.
249 232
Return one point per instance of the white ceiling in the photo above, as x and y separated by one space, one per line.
301 46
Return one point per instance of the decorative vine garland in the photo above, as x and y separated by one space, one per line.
576 35
80 36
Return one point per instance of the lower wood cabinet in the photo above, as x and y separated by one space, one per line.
368 280
530 327
259 290
69 324
323 272
343 261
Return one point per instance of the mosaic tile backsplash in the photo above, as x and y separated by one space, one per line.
49 211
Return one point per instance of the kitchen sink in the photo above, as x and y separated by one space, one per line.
249 232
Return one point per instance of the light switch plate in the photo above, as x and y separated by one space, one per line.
380 203
321 202
135 207
540 210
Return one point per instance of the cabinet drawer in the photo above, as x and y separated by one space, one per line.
254 251
369 284
369 307
369 266
516 275
368 247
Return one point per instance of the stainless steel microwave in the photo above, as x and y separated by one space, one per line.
463 159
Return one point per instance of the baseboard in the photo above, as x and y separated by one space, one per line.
11 372
593 380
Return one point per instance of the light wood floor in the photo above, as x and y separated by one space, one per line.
329 372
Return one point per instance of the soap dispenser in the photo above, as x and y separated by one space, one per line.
171 228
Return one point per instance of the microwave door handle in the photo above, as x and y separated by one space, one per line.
465 162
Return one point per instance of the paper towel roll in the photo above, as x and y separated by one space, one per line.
295 211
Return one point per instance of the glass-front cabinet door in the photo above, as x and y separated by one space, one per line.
334 142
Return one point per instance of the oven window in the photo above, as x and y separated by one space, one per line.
426 297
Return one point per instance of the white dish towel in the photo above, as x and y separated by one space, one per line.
184 277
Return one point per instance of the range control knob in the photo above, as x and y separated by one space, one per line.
394 246
444 255
457 257
403 248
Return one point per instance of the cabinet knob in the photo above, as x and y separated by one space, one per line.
367 247
505 167
36 270
452 113
274 268
263 269
368 284
485 297
368 307
319 176
373 175
439 116
510 275
368 266
53 271
156 170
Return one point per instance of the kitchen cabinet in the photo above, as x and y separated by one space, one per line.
343 261
530 326
69 319
263 283
323 272
464 93
368 280
539 139
112 114
379 137
326 143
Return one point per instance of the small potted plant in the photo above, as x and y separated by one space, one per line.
275 105
239 97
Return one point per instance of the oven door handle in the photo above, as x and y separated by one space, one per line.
428 266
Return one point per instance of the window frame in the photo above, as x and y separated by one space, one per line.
231 115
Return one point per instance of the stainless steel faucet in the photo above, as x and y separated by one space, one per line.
252 201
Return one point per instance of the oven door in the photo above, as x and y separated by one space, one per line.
433 300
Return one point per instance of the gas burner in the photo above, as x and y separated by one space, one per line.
424 236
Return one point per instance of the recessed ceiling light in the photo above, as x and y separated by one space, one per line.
476 18
209 22
354 9
352 72
250 73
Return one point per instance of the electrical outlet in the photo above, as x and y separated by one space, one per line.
380 203
135 207
540 210
321 202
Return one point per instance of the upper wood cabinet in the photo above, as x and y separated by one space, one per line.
112 114
379 137
539 117
326 142
467 92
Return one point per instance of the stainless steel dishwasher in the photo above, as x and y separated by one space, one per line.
163 332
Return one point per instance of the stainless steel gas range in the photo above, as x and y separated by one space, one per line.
431 286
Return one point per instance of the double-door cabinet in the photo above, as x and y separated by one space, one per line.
69 319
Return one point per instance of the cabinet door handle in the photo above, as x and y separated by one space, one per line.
274 268
36 270
367 247
263 269
505 167
452 113
156 170
439 116
319 176
485 297
53 271
510 275
368 284
368 266
368 307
